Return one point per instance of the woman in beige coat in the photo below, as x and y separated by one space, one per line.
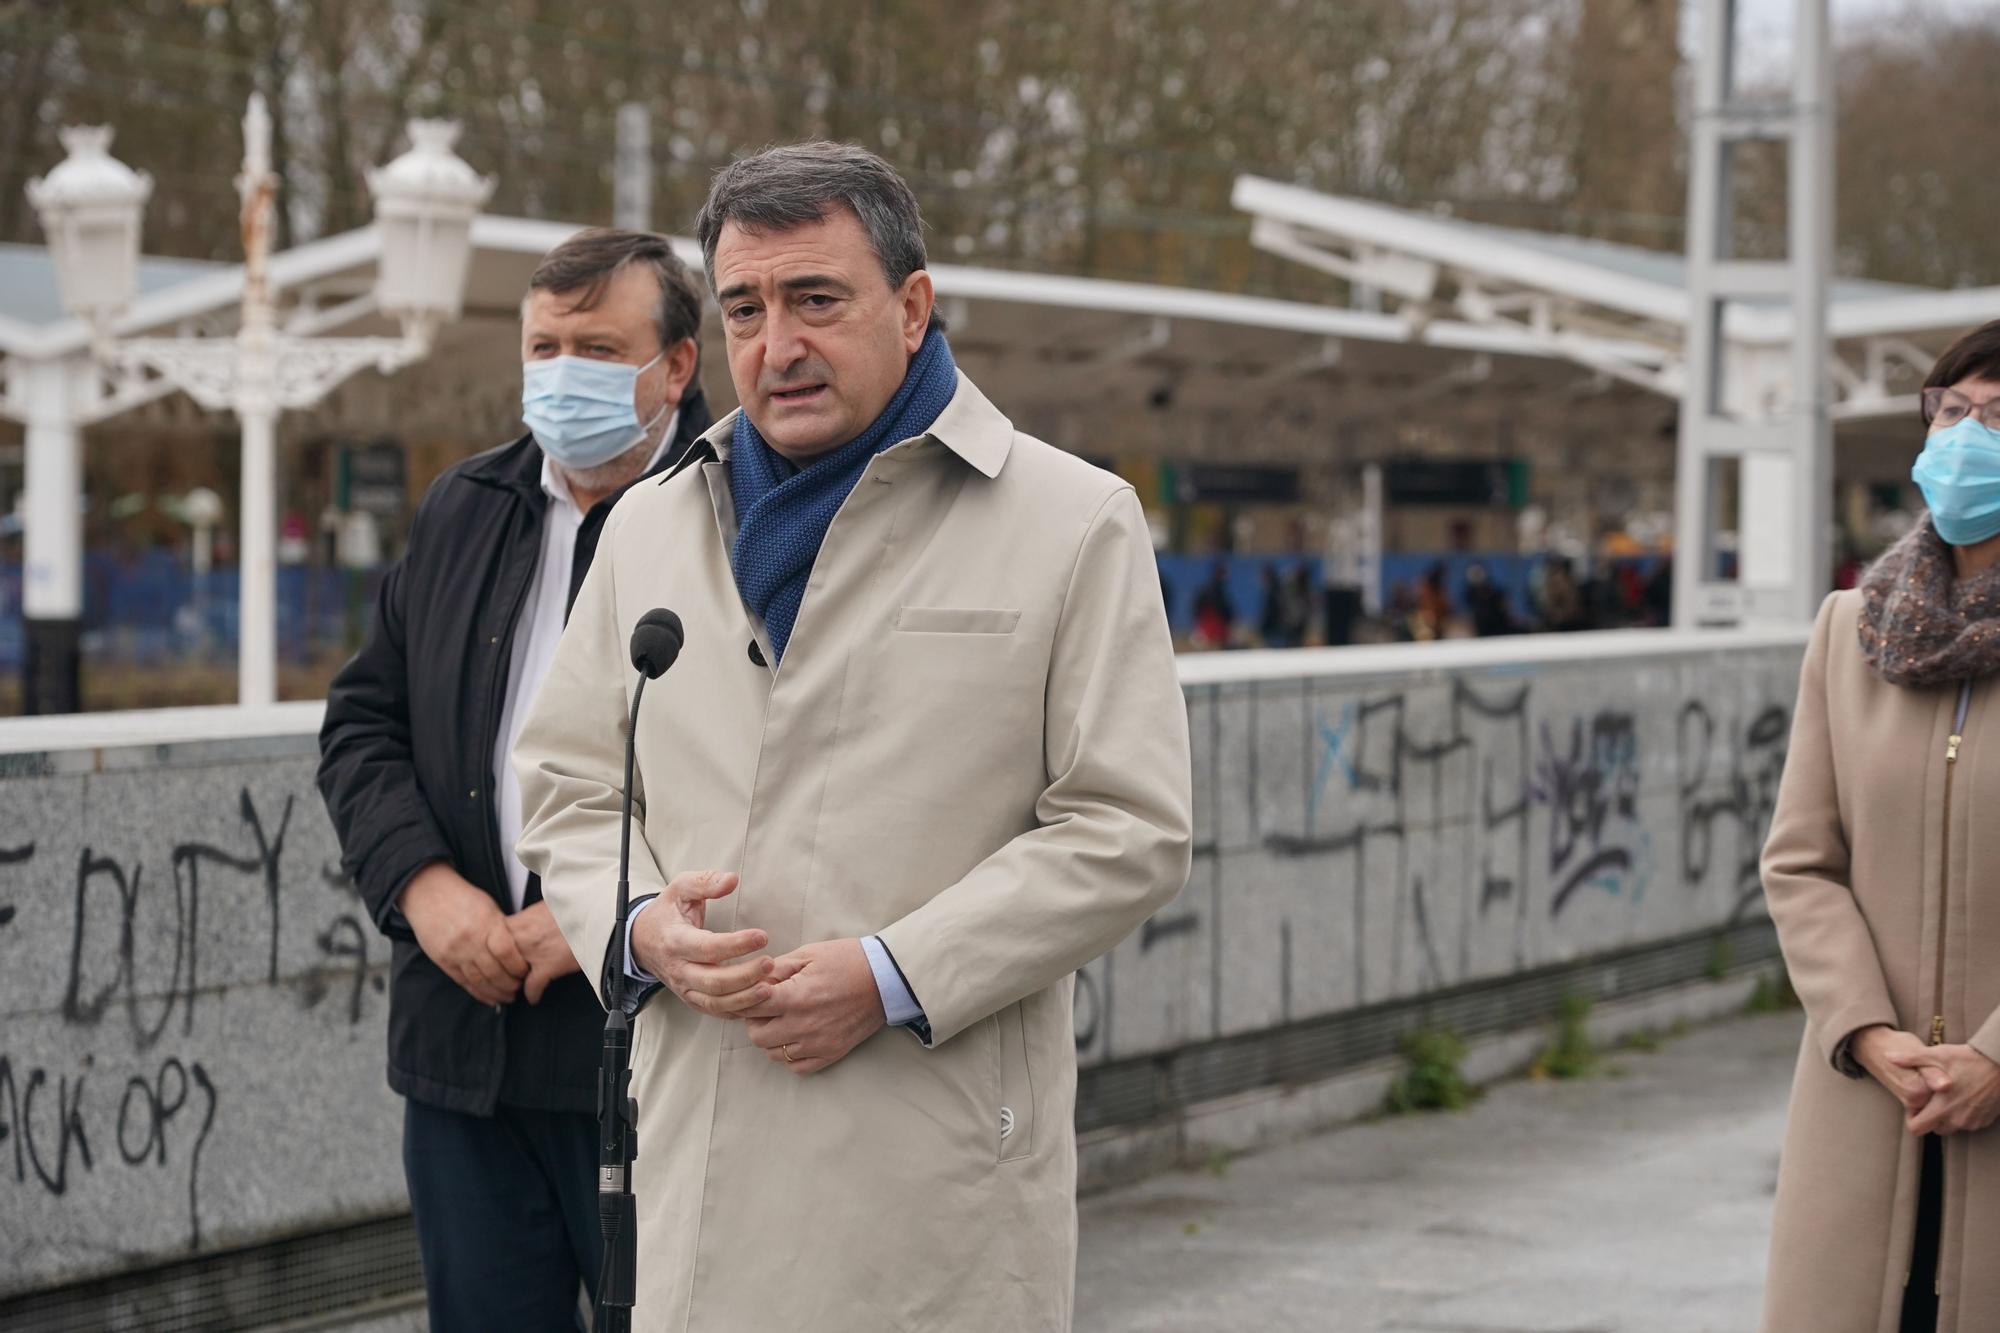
1883 876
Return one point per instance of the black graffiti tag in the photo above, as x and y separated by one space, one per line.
147 1110
345 938
86 1004
1089 1010
1592 791
1749 794
17 1102
11 856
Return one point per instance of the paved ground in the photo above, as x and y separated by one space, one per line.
1636 1203
1615 1204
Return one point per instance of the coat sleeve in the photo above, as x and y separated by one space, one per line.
1115 822
367 765
1827 944
1987 1039
570 761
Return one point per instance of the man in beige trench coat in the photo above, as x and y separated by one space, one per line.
924 754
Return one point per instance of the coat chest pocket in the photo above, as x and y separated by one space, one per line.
956 620
954 657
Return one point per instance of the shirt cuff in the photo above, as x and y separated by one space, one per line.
1843 1052
898 1005
632 969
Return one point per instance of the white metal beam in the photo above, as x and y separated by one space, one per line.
1376 267
1478 252
1769 422
1321 358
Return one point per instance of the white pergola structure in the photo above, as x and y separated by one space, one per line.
1763 356
1048 339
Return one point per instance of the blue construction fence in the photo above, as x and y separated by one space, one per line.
148 609
1183 576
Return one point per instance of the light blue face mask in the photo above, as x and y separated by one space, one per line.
1959 474
583 410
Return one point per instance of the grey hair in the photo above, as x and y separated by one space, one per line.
793 185
587 263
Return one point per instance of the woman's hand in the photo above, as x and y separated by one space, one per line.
1968 1098
1882 1051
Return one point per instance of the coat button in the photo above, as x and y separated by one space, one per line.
756 653
474 793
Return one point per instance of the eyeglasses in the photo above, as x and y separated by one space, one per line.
1945 408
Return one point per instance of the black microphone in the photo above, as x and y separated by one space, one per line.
656 642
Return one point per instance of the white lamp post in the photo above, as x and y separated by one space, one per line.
425 202
90 207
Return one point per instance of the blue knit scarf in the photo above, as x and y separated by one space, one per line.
782 513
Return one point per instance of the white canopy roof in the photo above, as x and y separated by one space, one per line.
1568 295
1126 335
1497 301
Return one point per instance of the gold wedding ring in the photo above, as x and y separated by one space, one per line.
787 1048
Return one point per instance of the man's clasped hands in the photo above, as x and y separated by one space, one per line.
805 1010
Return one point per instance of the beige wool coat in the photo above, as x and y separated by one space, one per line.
1883 875
976 747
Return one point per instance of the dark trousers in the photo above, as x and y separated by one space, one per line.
1920 1298
506 1215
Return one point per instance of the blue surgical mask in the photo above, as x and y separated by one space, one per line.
582 410
1959 474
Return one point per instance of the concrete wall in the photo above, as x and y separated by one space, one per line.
191 999
191 1010
1391 821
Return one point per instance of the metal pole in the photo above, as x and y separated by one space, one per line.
1369 559
257 409
1778 443
52 579
1701 343
632 170
1810 215
256 666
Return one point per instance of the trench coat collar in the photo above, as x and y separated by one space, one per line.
970 426
974 429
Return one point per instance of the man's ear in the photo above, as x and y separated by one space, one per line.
679 363
917 298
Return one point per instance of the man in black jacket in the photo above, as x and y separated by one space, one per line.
493 1032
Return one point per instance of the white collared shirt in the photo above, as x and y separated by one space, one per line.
536 634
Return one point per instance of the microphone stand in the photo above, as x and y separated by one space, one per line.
617 1111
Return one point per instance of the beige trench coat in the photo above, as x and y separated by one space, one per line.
1875 877
977 748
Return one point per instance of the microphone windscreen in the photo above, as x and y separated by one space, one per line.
656 641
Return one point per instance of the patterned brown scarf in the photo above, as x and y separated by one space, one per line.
1920 623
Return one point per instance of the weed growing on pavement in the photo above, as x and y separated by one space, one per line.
1721 957
1772 994
1433 1077
1570 1052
